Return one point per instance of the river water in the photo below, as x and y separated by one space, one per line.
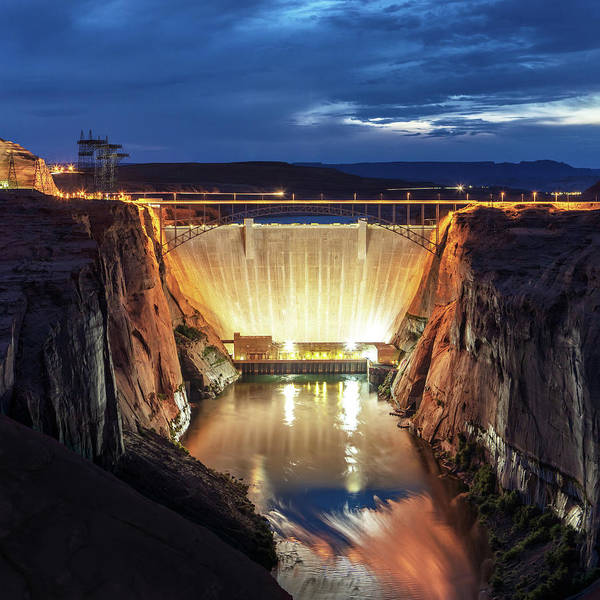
359 507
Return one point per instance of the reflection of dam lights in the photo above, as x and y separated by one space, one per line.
404 540
289 391
350 406
354 478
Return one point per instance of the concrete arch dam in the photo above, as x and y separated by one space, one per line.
300 282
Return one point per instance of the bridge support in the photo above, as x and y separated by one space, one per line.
362 239
249 238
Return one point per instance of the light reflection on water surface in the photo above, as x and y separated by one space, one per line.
357 511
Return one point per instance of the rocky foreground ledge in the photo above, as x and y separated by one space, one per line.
168 475
69 529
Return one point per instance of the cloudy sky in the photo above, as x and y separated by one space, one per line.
319 80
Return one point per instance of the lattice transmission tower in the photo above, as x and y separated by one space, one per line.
12 172
98 160
42 180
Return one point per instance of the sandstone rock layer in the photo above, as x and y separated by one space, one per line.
19 168
509 354
86 338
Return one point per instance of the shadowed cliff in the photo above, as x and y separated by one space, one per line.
71 530
509 353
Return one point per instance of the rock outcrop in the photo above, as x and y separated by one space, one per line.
208 370
69 530
19 168
509 355
87 345
204 360
166 474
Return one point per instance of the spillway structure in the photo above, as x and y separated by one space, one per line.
300 282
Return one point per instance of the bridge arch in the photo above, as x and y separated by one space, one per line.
190 233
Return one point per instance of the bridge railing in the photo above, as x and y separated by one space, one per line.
306 210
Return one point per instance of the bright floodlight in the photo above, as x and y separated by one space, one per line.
371 354
288 346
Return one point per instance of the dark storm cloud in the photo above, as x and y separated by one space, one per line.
329 80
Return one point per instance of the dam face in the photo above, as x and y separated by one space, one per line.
326 283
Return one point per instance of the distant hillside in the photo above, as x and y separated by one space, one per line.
305 181
593 192
542 175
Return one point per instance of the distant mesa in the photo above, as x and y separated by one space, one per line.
21 169
542 175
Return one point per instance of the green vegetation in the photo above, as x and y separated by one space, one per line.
384 391
191 333
466 454
208 351
213 356
535 556
173 432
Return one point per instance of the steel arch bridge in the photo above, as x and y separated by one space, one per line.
405 231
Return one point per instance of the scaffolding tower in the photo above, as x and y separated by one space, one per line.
98 160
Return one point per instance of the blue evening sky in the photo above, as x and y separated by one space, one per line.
320 80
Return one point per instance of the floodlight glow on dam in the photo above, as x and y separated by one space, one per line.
301 282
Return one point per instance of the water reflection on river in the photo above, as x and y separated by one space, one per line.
357 506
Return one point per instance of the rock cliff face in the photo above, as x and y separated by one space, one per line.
509 353
88 356
166 474
19 168
208 370
87 345
204 360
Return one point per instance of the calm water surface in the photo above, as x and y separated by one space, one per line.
358 506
